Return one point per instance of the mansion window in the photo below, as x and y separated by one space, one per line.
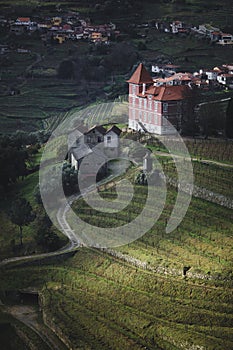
108 139
145 117
134 89
165 107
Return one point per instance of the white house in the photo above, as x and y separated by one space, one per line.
111 141
225 39
225 79
175 26
211 74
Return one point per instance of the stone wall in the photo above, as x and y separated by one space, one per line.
203 193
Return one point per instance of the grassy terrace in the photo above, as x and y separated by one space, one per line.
101 303
211 159
203 240
213 149
214 177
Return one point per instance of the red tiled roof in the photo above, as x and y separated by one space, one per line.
170 66
227 75
169 93
226 34
140 76
177 76
23 19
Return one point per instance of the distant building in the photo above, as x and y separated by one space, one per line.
175 79
164 68
26 21
225 79
225 39
153 108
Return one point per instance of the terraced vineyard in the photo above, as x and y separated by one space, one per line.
219 150
211 176
202 241
97 302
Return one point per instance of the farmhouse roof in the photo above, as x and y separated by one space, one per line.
115 129
99 128
140 76
80 150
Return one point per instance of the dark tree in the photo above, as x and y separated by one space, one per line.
141 178
122 57
188 125
69 179
229 120
37 195
12 164
66 70
211 119
44 235
21 214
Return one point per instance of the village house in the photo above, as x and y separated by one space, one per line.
154 108
175 25
175 79
211 74
225 39
229 67
207 29
166 69
24 21
226 79
83 144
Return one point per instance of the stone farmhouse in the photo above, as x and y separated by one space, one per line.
93 148
154 108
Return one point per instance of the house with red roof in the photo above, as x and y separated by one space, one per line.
175 79
153 108
23 21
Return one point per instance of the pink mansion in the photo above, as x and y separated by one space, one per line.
151 107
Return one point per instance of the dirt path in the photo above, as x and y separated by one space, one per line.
204 161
